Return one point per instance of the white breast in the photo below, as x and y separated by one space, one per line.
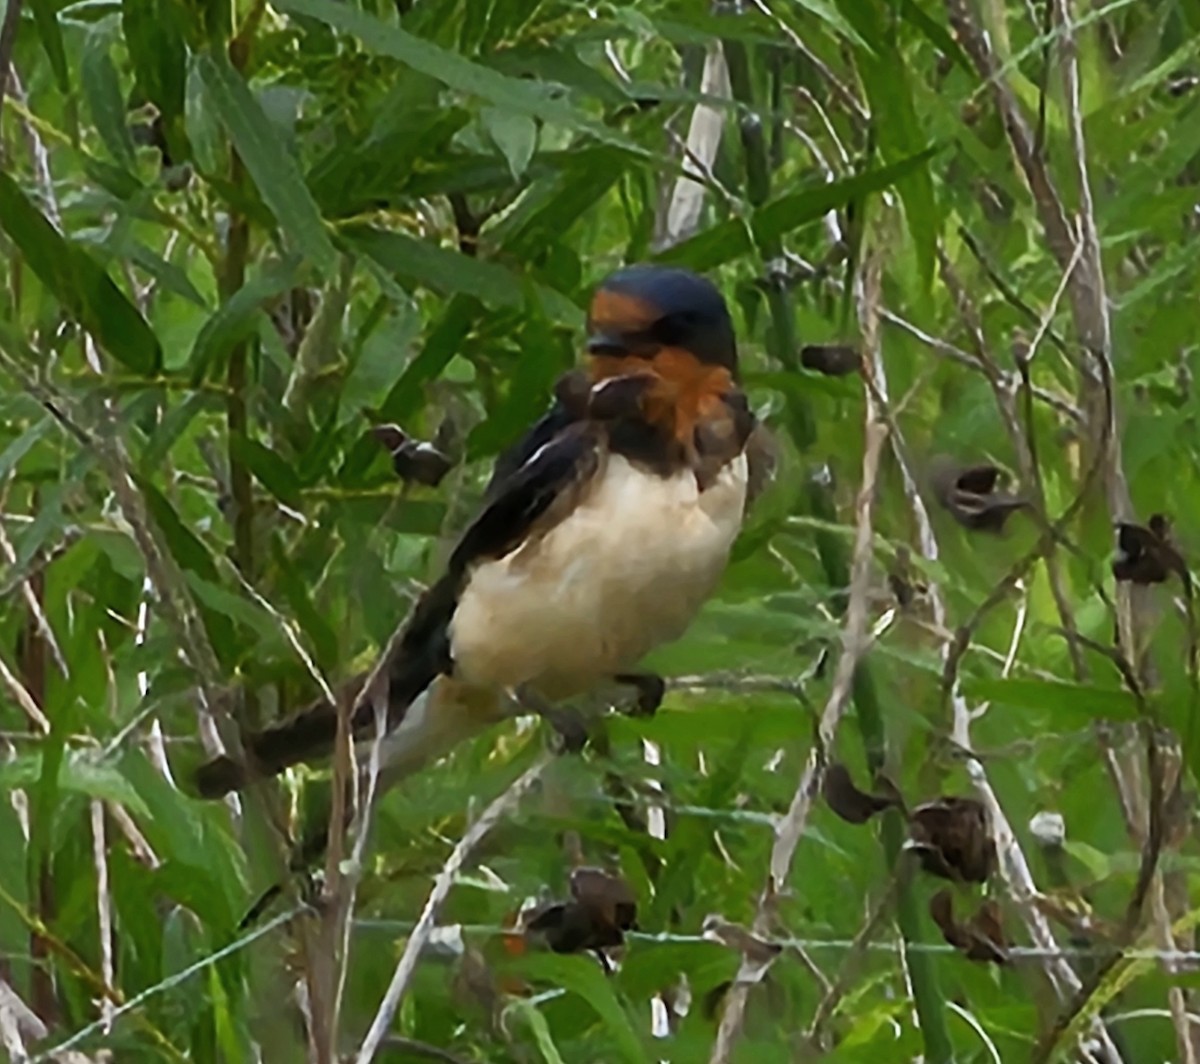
625 572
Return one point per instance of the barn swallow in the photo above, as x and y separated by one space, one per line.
599 536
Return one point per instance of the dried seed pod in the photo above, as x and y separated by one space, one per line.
602 909
981 938
413 460
1146 555
971 494
847 801
952 837
833 360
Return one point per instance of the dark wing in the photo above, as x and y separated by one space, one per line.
533 496
549 425
526 500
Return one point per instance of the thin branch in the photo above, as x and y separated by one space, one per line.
703 142
855 640
442 884
103 909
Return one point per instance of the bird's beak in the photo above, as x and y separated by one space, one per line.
606 343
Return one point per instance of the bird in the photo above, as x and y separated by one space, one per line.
599 536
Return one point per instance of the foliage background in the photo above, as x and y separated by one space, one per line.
236 234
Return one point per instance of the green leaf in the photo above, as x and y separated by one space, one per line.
192 556
580 975
79 282
237 318
276 475
938 35
102 91
455 72
268 161
541 1030
45 17
731 239
447 334
158 55
514 134
78 774
802 208
20 447
899 132
1068 701
447 272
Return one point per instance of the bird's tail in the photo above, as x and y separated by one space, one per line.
309 735
419 657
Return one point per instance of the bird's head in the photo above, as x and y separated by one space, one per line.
661 319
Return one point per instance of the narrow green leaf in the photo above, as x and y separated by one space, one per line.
937 34
514 135
580 976
192 556
452 70
731 239
79 774
447 272
298 592
172 426
801 208
45 17
540 1028
167 274
79 282
269 469
21 446
187 549
268 161
1058 698
102 91
157 53
442 344
899 132
237 318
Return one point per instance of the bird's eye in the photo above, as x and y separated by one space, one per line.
674 329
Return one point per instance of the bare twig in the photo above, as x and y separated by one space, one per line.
103 908
855 640
703 141
35 606
1014 866
23 698
17 1022
442 884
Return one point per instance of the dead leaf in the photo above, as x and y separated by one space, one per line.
847 801
981 938
1146 555
608 897
971 494
602 909
413 460
952 838
833 360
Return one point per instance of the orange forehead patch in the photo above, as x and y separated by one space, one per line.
616 309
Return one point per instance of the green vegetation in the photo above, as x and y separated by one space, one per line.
236 236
